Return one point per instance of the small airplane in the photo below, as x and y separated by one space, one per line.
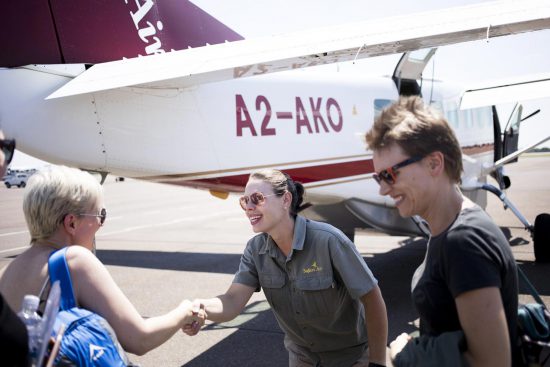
167 93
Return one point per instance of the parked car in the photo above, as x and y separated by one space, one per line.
16 179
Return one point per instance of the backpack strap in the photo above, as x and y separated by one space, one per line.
59 270
531 288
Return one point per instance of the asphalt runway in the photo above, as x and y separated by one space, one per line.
165 243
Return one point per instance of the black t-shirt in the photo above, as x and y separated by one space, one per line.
472 253
13 337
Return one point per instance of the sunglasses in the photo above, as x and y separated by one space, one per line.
389 175
8 147
256 198
102 216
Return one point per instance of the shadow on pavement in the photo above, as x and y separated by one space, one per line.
537 274
181 261
394 271
258 341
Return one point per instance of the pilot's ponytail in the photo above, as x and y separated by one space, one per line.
297 191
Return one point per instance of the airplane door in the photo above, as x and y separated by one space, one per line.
510 137
409 70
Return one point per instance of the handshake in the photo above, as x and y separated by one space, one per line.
195 316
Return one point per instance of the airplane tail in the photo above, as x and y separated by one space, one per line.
95 31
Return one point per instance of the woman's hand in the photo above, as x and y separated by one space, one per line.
195 317
398 344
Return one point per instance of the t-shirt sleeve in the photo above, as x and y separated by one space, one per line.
351 267
468 261
247 273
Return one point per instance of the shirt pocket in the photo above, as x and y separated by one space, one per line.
319 295
274 289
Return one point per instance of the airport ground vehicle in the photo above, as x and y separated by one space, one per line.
16 179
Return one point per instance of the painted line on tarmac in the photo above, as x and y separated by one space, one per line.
14 249
13 233
175 221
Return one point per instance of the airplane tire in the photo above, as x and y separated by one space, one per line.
541 238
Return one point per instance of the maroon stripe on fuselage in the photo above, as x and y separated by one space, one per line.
236 183
302 174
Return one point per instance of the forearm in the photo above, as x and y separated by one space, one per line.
161 328
152 332
221 308
491 334
376 321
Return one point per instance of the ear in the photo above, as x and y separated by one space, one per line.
69 223
287 200
436 163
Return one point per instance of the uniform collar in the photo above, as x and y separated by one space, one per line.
298 240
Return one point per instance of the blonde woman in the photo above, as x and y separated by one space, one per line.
64 207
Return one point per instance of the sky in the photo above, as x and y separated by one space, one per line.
472 63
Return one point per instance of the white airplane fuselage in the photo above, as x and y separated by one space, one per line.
308 123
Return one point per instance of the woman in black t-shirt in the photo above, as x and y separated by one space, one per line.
466 289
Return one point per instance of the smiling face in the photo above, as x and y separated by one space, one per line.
411 190
267 216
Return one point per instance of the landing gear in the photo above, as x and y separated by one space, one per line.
540 232
541 237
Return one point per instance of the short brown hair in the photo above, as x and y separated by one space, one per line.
419 130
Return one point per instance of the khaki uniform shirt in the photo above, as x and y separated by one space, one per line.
314 292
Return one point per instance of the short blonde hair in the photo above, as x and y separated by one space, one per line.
54 192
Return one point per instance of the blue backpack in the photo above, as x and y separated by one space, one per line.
88 340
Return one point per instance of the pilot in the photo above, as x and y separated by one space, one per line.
465 290
323 295
13 333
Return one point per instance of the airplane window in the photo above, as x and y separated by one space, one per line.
450 111
438 106
379 105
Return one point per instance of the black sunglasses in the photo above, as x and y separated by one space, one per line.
8 147
102 216
389 175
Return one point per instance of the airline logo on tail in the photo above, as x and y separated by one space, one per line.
96 31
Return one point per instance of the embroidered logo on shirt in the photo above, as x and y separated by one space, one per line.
313 268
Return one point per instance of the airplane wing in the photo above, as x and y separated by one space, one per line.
180 69
526 88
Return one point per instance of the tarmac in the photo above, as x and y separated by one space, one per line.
165 243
